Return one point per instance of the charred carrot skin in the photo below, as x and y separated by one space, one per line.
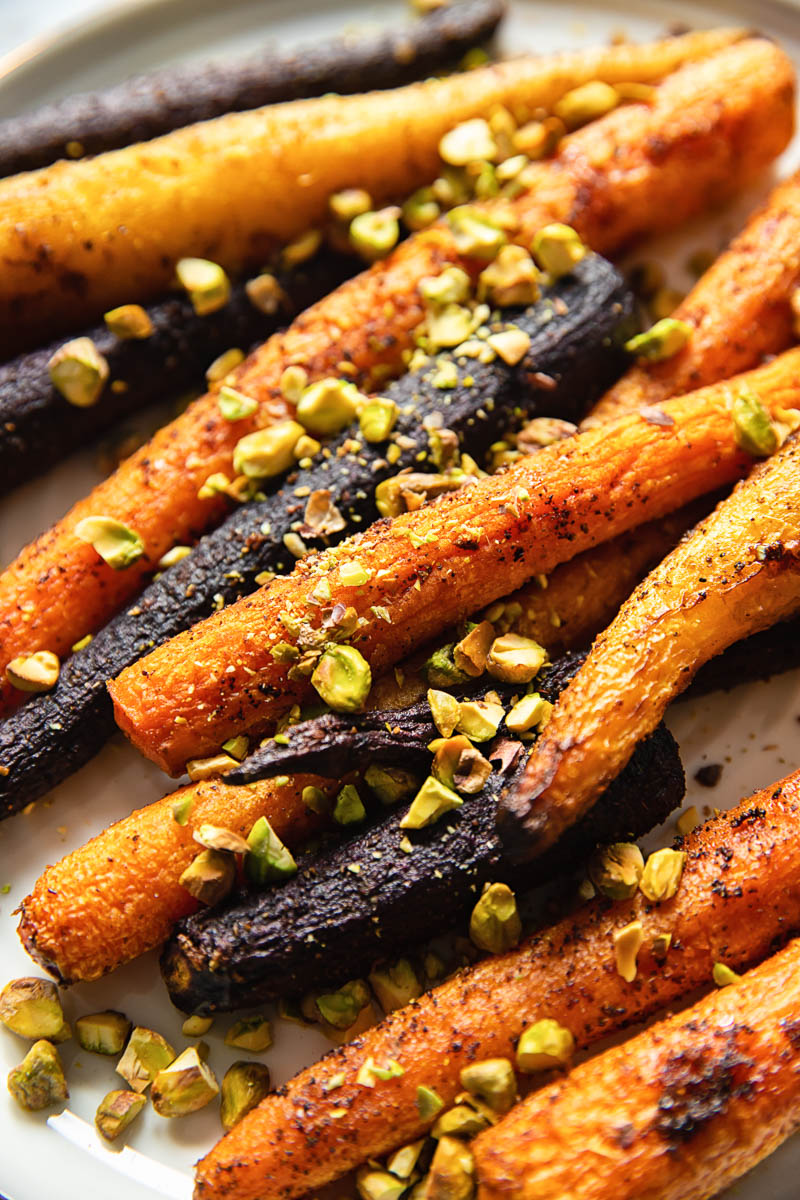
435 566
737 573
738 312
739 898
679 1112
711 127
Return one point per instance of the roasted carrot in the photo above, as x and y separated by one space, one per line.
79 237
710 126
430 568
738 899
678 1112
737 573
738 312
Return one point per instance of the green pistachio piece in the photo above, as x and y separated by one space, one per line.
173 556
448 327
395 985
215 485
244 1086
531 712
250 1033
662 874
374 234
452 1171
461 1121
116 1111
452 286
660 341
431 802
223 365
470 654
103 1032
753 426
440 669
353 574
404 1161
479 719
421 209
315 799
215 837
129 322
494 925
558 249
302 248
342 678
468 142
723 976
146 1054
267 452
512 279
79 372
36 672
210 876
390 784
207 768
586 103
627 944
349 204
370 1072
475 234
206 284
444 710
491 1081
185 1086
348 809
267 858
615 870
266 294
234 405
31 1008
377 419
340 1009
429 1102
458 765
182 808
196 1026
544 1045
116 544
511 345
39 1080
515 659
237 746
329 405
374 1184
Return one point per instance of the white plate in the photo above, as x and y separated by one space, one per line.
753 731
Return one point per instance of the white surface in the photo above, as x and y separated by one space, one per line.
753 731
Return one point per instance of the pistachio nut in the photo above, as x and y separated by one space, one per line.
210 876
444 710
662 874
207 768
421 209
340 1009
494 925
237 746
374 234
724 976
627 944
205 283
266 294
404 1161
447 327
103 1032
302 248
429 1102
479 719
515 659
469 655
586 103
196 1026
349 203
267 452
468 142
39 1080
390 784
460 1121
129 322
511 345
79 372
451 286
329 405
375 1184
475 235
370 1072
182 809
512 279
492 1081
615 870
660 341
753 425
235 405
348 808
440 669
353 574
216 484
530 712
342 678
31 1008
544 1045
223 364
146 1054
315 799
267 858
116 1111
395 985
244 1085
431 802
452 1172
294 381
458 765
377 419
558 249
250 1033
37 672
185 1086
116 544
175 555
215 837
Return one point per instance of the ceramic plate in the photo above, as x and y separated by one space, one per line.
752 731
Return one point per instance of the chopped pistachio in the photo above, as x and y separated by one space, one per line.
103 1032
627 943
81 644
205 282
479 719
469 655
39 1080
586 103
444 710
370 1072
615 870
116 544
660 341
340 1009
302 248
237 746
36 672
196 1026
31 1008
512 279
661 945
421 209
250 1033
531 712
181 809
447 327
431 802
429 1102
753 426
293 382
544 1045
374 1184
329 405
215 837
390 784
215 485
265 293
210 876
468 142
687 821
235 405
458 765
349 204
267 452
244 1085
342 678
129 321
494 925
116 1111
515 659
451 286
348 809
662 874
146 1054
491 1081
440 669
315 799
474 233
206 768
224 364
353 574
452 1172
267 858
374 234
185 1086
460 1121
510 344
558 248
79 372
403 1162
395 985
724 976
377 419
175 555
